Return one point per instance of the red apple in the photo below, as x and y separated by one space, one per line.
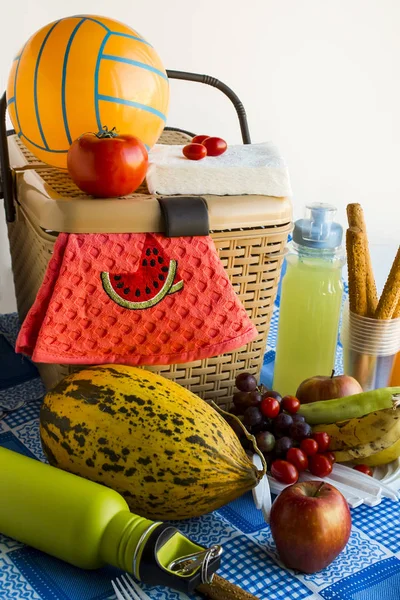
321 387
310 523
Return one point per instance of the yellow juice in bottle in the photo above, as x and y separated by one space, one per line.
311 298
307 347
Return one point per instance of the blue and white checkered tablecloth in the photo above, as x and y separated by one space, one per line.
368 568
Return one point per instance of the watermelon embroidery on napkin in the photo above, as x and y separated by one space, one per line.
74 321
149 284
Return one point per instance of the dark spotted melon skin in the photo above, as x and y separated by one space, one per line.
149 284
169 453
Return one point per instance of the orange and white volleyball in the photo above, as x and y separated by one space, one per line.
80 74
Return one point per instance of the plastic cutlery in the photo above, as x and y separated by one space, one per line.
363 481
126 588
262 492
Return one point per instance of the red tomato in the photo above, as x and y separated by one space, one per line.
364 469
270 407
309 446
284 471
330 456
322 440
194 151
290 404
199 139
297 458
106 164
320 465
215 146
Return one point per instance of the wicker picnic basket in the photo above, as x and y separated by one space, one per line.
249 232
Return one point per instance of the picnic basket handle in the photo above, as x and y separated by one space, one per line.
206 79
6 176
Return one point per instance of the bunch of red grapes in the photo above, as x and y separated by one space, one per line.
282 435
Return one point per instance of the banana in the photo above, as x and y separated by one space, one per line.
350 407
383 457
364 450
357 432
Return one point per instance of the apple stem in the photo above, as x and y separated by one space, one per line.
333 373
319 488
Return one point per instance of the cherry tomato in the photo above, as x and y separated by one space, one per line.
322 439
215 146
309 446
297 458
330 456
194 151
364 469
284 471
199 139
106 164
270 407
320 465
290 404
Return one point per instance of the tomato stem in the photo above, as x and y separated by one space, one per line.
107 133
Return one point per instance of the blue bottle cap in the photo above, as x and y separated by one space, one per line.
318 229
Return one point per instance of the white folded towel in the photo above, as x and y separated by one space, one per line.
245 169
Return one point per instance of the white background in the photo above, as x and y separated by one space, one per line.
320 78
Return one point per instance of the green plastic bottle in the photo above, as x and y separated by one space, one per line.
311 300
89 525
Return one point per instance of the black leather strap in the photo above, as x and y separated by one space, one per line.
184 215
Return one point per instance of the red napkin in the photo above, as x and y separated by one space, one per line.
137 299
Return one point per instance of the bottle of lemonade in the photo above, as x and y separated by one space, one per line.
311 299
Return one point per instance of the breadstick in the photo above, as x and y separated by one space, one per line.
396 313
390 297
355 246
355 216
221 589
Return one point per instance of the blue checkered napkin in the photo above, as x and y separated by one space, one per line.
13 585
273 329
267 370
24 415
247 565
243 514
380 581
381 523
11 442
28 434
15 369
53 579
9 327
19 378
